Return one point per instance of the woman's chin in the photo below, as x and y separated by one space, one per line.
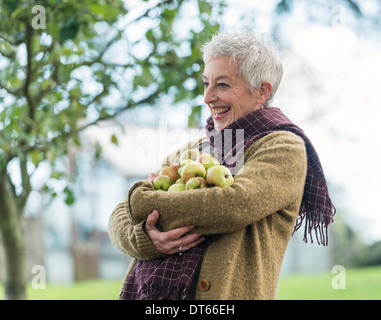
220 125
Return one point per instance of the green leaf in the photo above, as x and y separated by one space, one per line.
205 6
11 4
69 29
69 196
57 175
105 11
36 157
114 140
150 36
98 150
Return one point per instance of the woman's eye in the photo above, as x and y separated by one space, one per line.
223 85
205 84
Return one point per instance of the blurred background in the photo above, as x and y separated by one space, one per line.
93 94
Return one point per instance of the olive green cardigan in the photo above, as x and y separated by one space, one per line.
254 219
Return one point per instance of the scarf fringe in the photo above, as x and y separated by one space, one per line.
317 220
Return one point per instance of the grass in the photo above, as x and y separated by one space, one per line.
85 290
360 284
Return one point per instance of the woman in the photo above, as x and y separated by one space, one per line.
247 226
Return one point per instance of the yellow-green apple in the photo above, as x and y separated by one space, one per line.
179 181
207 160
189 154
171 171
219 176
183 163
162 182
177 187
192 169
196 183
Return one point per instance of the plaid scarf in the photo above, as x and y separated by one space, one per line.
170 278
316 208
167 278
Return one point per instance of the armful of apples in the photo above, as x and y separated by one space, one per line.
273 177
195 171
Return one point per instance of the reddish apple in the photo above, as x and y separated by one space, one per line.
171 171
192 169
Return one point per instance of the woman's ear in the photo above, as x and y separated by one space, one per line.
264 91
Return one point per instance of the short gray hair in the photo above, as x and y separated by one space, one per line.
258 59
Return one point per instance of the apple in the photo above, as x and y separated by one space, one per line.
171 171
196 183
162 182
189 154
219 176
192 169
183 163
207 160
177 187
179 181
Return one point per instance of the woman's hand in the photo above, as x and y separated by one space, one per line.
173 241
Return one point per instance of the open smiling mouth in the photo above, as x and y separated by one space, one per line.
220 112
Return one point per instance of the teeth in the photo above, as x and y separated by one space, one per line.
220 110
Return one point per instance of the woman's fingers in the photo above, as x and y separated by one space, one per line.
177 233
171 241
152 219
188 243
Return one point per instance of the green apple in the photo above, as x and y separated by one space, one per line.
196 183
184 162
177 187
207 160
162 182
192 169
171 171
189 154
179 181
219 176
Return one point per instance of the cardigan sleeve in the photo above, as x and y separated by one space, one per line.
131 238
272 178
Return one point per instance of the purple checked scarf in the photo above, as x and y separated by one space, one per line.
167 278
170 278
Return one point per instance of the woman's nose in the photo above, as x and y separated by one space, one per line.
209 95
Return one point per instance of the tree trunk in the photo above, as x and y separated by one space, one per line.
13 242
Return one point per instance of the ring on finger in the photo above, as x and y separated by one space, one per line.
180 250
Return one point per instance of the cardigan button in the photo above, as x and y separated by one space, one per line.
204 285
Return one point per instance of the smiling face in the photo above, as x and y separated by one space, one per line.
227 94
